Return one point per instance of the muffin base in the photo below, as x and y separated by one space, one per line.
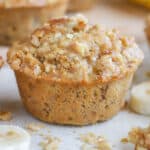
17 23
72 104
77 5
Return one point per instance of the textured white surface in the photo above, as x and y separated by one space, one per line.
19 139
112 14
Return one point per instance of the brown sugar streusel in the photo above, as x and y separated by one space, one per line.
70 49
140 137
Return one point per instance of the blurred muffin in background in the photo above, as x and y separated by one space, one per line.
77 5
18 18
145 3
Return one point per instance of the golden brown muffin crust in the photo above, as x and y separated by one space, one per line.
68 49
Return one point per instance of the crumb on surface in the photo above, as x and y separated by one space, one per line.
50 143
94 141
34 127
140 137
5 115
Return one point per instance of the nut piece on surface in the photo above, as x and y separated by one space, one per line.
5 115
140 98
139 137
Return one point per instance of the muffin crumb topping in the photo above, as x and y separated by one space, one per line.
140 137
70 49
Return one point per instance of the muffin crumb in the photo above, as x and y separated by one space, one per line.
92 140
49 143
5 115
34 127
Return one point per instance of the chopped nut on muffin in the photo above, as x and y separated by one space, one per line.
71 72
140 137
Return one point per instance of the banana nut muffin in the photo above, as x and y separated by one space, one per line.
77 5
18 18
70 72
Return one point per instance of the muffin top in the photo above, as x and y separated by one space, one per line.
70 50
26 3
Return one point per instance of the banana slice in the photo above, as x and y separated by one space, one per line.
14 138
140 98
